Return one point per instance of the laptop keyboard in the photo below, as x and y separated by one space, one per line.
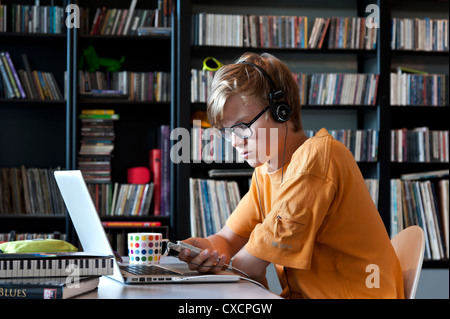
147 270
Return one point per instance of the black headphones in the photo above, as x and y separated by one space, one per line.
281 111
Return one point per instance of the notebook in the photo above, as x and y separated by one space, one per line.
93 239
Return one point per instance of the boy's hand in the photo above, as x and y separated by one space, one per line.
209 260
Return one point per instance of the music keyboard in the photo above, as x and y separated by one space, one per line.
55 265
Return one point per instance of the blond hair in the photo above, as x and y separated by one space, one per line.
240 78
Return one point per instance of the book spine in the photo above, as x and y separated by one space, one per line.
16 77
9 89
14 291
155 168
131 224
165 170
10 75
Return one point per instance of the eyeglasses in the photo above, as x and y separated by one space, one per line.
242 130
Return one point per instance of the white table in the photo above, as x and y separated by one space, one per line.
112 289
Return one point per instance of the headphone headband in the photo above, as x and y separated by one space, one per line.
272 84
281 112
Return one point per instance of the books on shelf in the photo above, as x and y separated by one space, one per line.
24 83
119 21
46 288
132 199
97 144
420 145
424 203
363 144
270 31
351 33
134 86
373 187
343 89
29 191
32 19
418 89
419 34
122 199
14 235
211 202
315 89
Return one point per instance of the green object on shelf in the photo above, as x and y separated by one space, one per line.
92 62
37 246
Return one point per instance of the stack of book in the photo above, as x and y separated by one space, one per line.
51 275
200 85
212 201
420 145
30 191
97 144
14 235
133 86
413 87
122 199
269 31
24 83
373 187
343 89
419 34
117 21
351 33
132 199
32 19
422 199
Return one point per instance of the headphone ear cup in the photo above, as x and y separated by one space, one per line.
281 112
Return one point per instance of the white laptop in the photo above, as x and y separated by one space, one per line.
93 239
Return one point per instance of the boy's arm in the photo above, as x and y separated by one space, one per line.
252 266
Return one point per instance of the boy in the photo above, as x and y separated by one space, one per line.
308 210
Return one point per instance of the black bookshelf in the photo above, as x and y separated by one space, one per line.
136 132
34 131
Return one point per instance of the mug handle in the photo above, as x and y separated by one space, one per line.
166 251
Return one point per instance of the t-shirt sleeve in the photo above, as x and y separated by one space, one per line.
287 234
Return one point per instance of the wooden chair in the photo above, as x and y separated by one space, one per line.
409 246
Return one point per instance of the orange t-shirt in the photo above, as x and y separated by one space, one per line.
319 227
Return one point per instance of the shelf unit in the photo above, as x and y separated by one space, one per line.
50 130
136 132
33 132
410 117
382 117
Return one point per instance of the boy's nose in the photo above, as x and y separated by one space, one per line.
236 140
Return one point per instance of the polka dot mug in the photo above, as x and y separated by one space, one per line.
146 248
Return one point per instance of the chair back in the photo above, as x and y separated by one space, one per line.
409 246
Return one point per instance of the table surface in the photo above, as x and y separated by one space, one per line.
111 289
